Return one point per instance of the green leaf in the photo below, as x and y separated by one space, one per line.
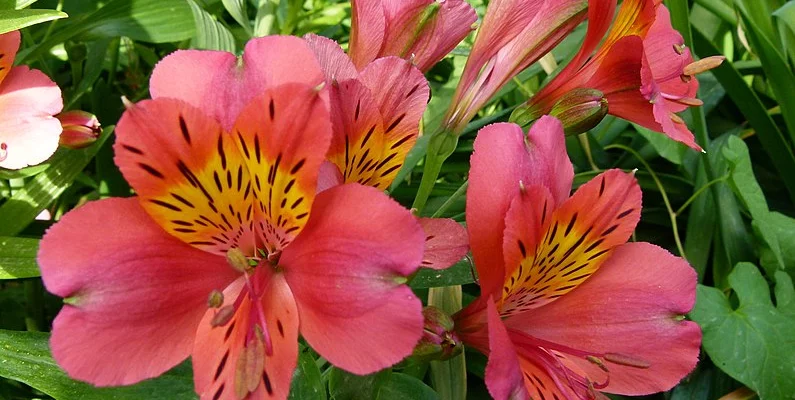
210 34
12 20
776 245
754 342
666 147
26 358
18 258
307 383
346 386
784 18
405 387
237 9
742 177
459 274
25 204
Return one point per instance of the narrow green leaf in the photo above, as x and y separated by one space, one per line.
784 18
18 258
210 34
237 9
12 20
749 104
26 358
24 3
666 147
307 383
44 188
753 343
778 73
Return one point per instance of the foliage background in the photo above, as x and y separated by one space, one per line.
728 211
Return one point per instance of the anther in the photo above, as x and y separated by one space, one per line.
702 65
625 360
237 260
689 101
223 316
677 119
598 363
215 299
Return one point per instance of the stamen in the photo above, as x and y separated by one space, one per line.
237 260
223 316
679 48
703 65
598 362
260 315
625 360
3 151
215 299
677 119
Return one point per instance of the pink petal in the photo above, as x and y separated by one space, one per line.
328 176
136 293
224 354
499 163
214 82
632 308
169 152
335 64
600 15
503 372
550 165
426 42
347 269
666 63
446 242
28 101
9 45
368 26
619 70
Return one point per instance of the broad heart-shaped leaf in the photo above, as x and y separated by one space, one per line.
26 358
11 20
210 34
742 178
753 343
383 385
776 234
26 203
18 258
307 382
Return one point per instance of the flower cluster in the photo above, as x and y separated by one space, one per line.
260 216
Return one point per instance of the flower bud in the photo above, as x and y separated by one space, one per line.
439 340
80 129
580 110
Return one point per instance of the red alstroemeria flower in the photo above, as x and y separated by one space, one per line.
375 116
421 30
567 306
328 265
641 68
514 34
28 102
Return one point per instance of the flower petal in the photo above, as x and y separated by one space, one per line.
401 94
9 45
215 82
503 372
358 139
446 242
189 175
578 239
136 294
335 64
346 270
631 308
425 36
368 26
283 135
499 163
550 165
28 100
231 361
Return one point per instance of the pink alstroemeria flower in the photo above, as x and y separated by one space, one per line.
643 69
514 35
375 115
421 30
28 102
567 307
328 265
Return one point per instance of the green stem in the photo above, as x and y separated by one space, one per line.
671 213
450 200
699 192
440 147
